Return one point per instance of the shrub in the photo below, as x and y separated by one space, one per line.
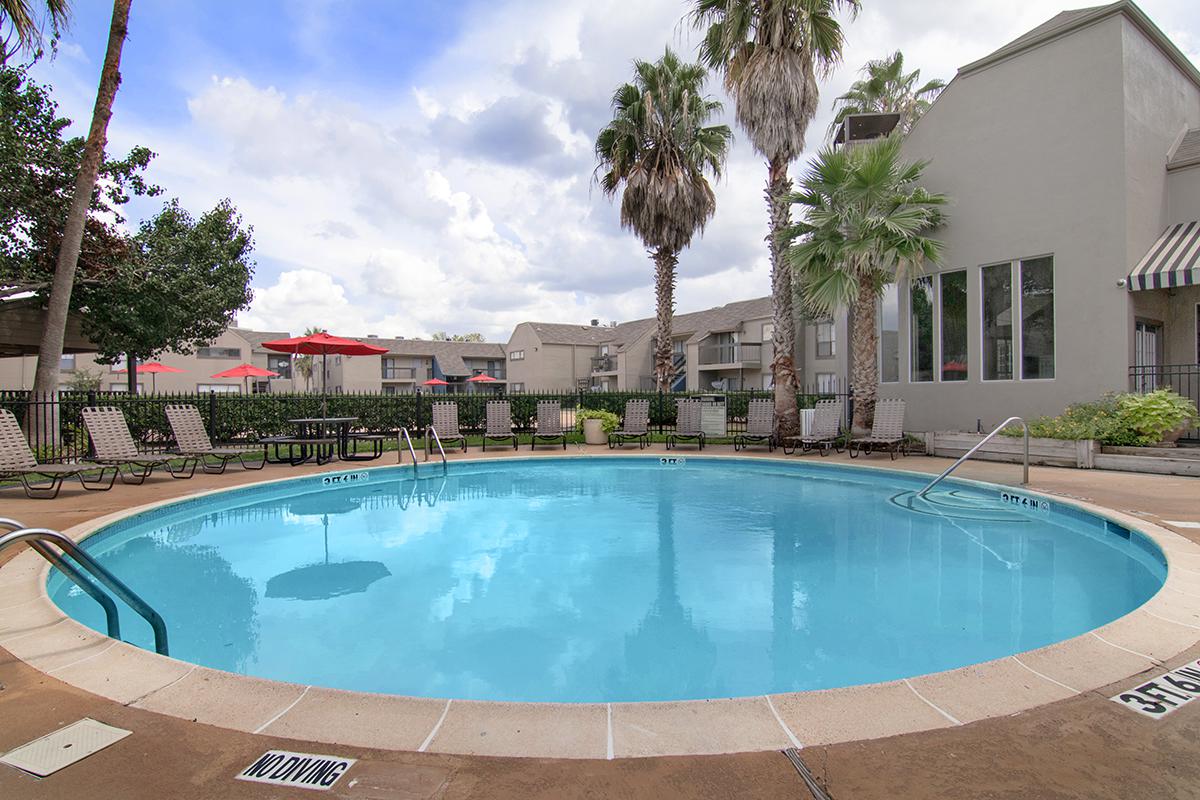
608 420
1117 419
1151 416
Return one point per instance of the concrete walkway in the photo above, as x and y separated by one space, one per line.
1082 747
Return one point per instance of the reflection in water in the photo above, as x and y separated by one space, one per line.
620 580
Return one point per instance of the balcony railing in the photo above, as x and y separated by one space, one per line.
391 373
730 354
604 364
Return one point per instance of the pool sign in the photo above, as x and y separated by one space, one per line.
1164 694
1024 501
672 460
301 770
346 477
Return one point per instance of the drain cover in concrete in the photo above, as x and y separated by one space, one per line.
64 747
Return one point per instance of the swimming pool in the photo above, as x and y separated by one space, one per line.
615 579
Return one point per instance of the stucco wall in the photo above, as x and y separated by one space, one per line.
1183 195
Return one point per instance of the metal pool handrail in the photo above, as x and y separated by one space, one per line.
38 536
438 439
400 453
973 450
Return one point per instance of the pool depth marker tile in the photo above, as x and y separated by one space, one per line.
930 703
1046 677
437 727
791 736
275 718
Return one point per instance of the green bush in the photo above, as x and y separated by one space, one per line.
609 421
1126 420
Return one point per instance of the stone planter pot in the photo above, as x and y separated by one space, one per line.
593 431
1170 438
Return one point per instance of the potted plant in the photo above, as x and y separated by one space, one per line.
596 424
1159 417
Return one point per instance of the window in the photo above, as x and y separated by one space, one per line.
826 383
67 362
219 388
768 332
1037 318
889 335
516 355
921 329
281 364
234 353
518 387
825 347
954 325
997 314
768 381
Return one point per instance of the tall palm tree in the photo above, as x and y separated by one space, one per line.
304 365
771 53
886 88
45 380
26 25
656 151
865 220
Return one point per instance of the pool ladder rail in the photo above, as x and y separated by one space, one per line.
39 540
429 446
1025 475
403 438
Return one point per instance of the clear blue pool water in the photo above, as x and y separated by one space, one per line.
614 579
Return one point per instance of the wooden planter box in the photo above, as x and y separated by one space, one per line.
1052 452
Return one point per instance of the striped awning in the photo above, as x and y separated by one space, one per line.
1174 260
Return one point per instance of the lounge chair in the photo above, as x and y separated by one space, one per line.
549 424
191 439
18 461
445 424
114 446
499 423
635 426
825 432
887 431
687 423
760 426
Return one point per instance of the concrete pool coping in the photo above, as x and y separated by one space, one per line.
33 629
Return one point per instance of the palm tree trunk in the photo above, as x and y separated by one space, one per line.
864 372
50 352
664 290
783 366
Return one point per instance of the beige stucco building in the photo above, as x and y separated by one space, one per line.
1072 158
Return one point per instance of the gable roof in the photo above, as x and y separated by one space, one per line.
1187 154
256 338
449 355
1069 22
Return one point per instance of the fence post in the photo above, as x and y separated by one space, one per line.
212 415
849 408
660 410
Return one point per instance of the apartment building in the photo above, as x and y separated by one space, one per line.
410 362
231 348
1072 262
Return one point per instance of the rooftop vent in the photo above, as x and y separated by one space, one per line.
595 323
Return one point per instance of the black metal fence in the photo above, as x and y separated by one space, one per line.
56 432
1183 379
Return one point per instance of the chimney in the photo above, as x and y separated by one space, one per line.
595 323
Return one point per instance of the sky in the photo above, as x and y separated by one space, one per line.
412 166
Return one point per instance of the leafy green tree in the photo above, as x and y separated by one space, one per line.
177 287
655 153
771 53
84 380
442 336
865 220
58 302
887 89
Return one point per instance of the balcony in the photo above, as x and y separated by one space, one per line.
730 356
604 364
390 373
497 374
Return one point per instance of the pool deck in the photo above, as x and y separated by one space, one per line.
1037 725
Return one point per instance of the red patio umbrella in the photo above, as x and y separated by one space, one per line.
153 367
434 382
322 344
482 377
247 371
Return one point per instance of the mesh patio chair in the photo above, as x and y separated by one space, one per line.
687 423
635 427
760 426
826 430
499 423
18 461
445 424
549 424
887 431
114 446
191 439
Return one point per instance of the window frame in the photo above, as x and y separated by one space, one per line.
933 339
939 350
879 338
516 355
206 353
1020 356
832 326
1013 331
